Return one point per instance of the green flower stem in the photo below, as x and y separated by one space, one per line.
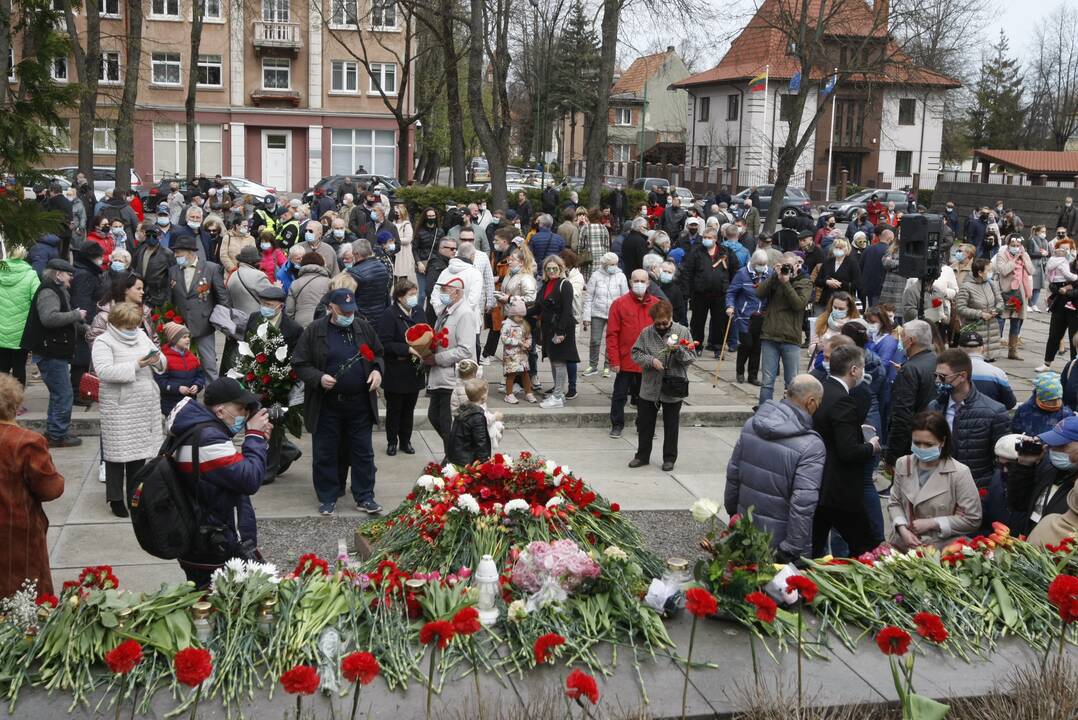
688 663
755 667
198 696
800 628
430 678
355 700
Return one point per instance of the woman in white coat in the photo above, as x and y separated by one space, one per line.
125 359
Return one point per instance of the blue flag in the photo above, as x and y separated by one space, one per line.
826 90
795 82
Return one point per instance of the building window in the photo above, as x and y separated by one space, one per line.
211 10
104 138
733 107
705 110
110 68
623 116
849 123
701 155
344 13
59 69
165 68
275 11
907 111
384 76
61 141
165 8
375 150
170 148
209 70
903 162
383 15
620 153
110 8
345 76
787 104
731 156
276 74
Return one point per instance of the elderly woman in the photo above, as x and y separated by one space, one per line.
838 272
605 286
978 304
27 479
346 255
747 309
125 360
664 359
1014 274
558 327
933 499
308 289
961 260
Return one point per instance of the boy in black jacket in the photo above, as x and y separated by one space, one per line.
469 440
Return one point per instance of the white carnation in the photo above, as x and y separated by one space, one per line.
450 470
425 481
516 504
550 465
517 611
615 553
554 501
469 503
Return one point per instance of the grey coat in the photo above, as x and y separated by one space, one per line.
196 307
650 345
460 322
776 469
975 297
306 293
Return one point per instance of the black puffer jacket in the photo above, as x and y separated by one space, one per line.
706 275
423 246
914 388
978 423
468 440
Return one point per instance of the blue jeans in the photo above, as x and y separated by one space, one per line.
352 423
770 352
56 375
572 367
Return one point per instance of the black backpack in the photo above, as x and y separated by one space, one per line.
165 513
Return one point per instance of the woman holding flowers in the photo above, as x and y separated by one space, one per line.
933 499
1014 273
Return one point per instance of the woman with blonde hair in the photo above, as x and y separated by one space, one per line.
839 310
237 238
404 261
962 258
838 272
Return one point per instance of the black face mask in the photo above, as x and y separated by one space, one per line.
431 222
662 328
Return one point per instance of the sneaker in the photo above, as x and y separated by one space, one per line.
589 371
485 360
606 372
530 398
66 441
101 473
571 395
615 432
501 386
553 401
326 509
536 385
371 507
511 399
1045 367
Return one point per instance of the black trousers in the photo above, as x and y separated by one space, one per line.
77 371
115 472
400 413
748 347
853 525
702 304
1060 322
13 362
490 347
440 415
626 389
647 412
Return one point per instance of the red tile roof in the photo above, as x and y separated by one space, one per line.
1034 162
642 69
763 44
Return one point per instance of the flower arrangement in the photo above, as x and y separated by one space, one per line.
423 340
561 562
263 367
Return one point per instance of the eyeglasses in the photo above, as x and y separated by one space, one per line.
941 378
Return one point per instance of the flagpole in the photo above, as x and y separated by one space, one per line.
767 76
831 141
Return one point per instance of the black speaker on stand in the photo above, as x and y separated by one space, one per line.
921 251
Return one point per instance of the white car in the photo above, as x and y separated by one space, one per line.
243 186
104 179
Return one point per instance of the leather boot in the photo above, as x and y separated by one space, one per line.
1012 348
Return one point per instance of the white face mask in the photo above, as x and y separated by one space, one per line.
639 288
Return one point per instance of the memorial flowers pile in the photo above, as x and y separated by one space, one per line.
263 368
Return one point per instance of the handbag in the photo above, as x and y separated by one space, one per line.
677 387
89 388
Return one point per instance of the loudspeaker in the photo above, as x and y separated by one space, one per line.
920 246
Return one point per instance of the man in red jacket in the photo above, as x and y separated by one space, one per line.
627 318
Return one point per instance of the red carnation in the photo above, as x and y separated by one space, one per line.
366 352
930 627
1063 595
360 667
169 314
615 507
47 599
261 358
580 683
466 621
300 680
123 658
192 666
700 602
802 586
178 320
440 630
250 376
155 317
936 302
982 492
160 328
766 609
544 644
893 640
309 563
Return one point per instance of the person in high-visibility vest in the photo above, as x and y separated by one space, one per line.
266 215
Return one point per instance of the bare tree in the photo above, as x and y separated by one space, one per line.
1054 71
595 165
88 71
489 22
125 122
198 16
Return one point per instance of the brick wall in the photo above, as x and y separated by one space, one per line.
1035 205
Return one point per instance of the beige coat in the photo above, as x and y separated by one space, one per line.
1053 528
1005 269
231 246
949 495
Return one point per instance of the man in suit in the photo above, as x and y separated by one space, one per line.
58 203
198 286
841 505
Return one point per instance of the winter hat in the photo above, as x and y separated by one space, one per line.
517 308
1048 391
174 332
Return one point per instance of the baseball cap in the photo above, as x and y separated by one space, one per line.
1065 431
226 390
693 221
344 299
970 339
162 209
452 282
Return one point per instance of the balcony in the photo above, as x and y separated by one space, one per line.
276 36
273 98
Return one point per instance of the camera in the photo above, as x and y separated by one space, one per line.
786 269
1028 446
276 412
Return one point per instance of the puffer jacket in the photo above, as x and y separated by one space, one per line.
978 423
306 292
469 439
628 318
602 290
45 249
18 283
372 292
742 297
130 399
181 370
1031 420
912 391
777 469
545 243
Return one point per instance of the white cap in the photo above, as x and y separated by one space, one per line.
294 202
1007 446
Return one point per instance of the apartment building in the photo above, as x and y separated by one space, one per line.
282 97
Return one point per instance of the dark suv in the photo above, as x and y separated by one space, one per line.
796 202
843 210
386 185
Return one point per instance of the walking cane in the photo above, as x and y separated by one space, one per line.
722 351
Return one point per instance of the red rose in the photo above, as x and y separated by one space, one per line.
192 666
366 352
466 621
250 377
700 602
160 328
930 627
266 379
803 587
614 507
360 667
169 314
544 644
440 630
301 680
310 563
261 358
580 683
936 302
47 599
766 609
155 317
893 640
123 658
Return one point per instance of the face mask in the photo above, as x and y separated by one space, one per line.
551 271
265 245
874 328
708 243
181 261
267 312
444 299
1042 236
1015 250
309 237
944 388
270 203
640 288
338 233
665 277
959 256
838 314
839 254
194 224
761 269
1060 460
929 454
238 425
514 269
343 320
411 301
118 233
390 248
117 266
612 269
826 365
162 220
128 334
431 222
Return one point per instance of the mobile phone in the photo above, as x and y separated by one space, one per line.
151 354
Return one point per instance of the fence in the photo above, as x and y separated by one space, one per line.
976 176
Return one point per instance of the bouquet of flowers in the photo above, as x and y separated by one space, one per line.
423 341
551 570
264 369
166 314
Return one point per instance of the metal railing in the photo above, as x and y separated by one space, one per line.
276 34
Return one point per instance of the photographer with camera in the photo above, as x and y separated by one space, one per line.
1041 480
222 479
787 292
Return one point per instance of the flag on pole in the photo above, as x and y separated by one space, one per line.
795 82
759 82
829 86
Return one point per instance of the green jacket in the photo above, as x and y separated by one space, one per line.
18 283
785 308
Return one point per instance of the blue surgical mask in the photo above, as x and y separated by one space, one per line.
839 254
411 301
514 269
343 320
347 264
444 299
162 220
390 248
308 236
926 454
959 256
1015 250
708 243
338 233
128 334
1061 460
118 233
267 312
665 277
194 224
238 424
265 245
181 261
838 314
612 269
117 266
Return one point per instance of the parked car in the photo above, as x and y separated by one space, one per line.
845 208
380 183
478 170
572 182
649 184
104 179
242 186
796 201
688 200
613 181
